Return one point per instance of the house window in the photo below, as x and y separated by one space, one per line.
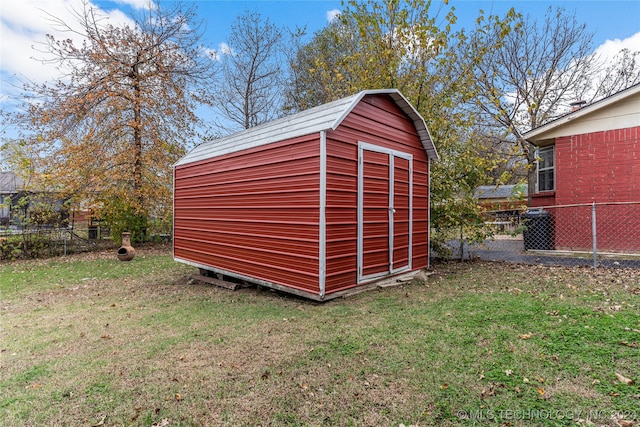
546 169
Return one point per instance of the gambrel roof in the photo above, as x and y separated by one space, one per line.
314 120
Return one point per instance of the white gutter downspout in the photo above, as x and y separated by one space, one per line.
322 256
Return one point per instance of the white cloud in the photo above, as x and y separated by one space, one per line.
24 25
223 49
136 4
606 55
332 14
611 48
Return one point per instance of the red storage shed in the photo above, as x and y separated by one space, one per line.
316 203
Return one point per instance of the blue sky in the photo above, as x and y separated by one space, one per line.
608 19
23 23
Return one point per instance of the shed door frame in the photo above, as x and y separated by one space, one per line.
362 147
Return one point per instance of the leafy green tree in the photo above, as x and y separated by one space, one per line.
409 46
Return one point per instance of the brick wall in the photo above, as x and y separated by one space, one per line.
601 167
598 167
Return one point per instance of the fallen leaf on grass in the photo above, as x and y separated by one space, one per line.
625 423
138 409
525 336
304 386
444 386
101 422
487 392
163 423
491 390
623 379
541 391
629 344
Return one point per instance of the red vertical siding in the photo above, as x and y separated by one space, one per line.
375 225
253 212
401 214
376 120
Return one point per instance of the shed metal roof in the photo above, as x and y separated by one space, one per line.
322 118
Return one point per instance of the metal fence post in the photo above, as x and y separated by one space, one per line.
595 235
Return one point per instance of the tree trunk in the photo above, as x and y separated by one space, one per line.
137 140
532 170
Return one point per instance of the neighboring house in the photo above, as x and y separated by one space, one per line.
592 155
502 205
11 187
20 207
316 203
499 198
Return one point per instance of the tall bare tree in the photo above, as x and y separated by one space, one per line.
123 109
621 72
252 74
529 77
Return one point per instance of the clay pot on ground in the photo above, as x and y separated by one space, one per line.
126 251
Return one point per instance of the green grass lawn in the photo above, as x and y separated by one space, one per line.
87 340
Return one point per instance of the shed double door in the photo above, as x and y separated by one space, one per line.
384 211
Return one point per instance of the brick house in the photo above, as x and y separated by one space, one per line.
592 155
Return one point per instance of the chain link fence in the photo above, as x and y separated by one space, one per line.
43 242
596 234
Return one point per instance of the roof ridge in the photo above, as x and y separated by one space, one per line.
313 120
